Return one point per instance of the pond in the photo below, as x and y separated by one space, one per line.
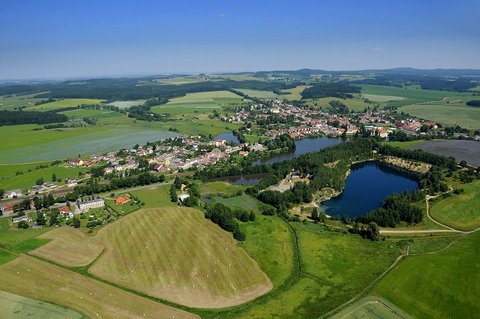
302 146
245 180
367 186
227 137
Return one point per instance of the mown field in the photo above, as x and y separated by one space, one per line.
459 149
441 285
460 211
90 113
244 201
294 93
371 307
126 104
63 103
40 280
18 307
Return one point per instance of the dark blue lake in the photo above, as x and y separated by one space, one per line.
228 137
302 146
367 186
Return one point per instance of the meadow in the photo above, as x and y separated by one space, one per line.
219 187
354 104
381 98
371 307
18 307
12 102
460 211
244 201
294 93
126 104
63 103
441 285
90 113
260 94
40 280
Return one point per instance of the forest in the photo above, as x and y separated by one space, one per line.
330 89
20 117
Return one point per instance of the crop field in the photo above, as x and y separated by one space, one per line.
29 146
441 285
294 93
371 307
36 279
354 104
459 149
259 94
178 255
126 104
408 144
28 179
12 102
70 247
96 114
449 114
18 307
63 103
460 211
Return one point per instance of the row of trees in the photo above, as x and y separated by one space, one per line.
419 155
226 218
33 117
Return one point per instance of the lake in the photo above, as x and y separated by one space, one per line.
227 137
245 180
367 186
302 146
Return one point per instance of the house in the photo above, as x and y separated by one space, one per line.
75 162
89 204
71 182
7 208
64 209
120 200
18 219
16 193
182 198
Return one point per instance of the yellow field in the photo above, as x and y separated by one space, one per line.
354 104
32 278
70 247
172 253
294 93
63 103
381 98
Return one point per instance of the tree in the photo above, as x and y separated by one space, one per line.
239 235
38 203
2 192
23 224
41 219
173 193
54 177
39 181
372 231
75 222
252 216
314 215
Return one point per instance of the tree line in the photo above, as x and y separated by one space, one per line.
226 218
330 89
30 117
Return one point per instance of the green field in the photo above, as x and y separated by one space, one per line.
28 179
15 101
127 104
154 196
245 201
294 93
460 211
63 103
381 98
219 187
407 144
14 241
354 104
442 285
90 113
18 307
449 114
35 146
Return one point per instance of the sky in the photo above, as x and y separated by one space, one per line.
93 38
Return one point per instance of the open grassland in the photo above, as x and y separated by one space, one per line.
218 187
63 103
36 279
442 285
449 114
460 211
11 102
33 146
9 170
354 104
407 144
178 255
154 196
18 307
90 113
14 241
459 149
70 247
27 179
333 268
244 201
294 93
259 94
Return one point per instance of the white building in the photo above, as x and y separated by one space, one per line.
13 193
87 205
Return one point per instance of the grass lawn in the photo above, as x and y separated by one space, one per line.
18 307
154 196
407 144
460 211
36 279
443 285
221 187
63 103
